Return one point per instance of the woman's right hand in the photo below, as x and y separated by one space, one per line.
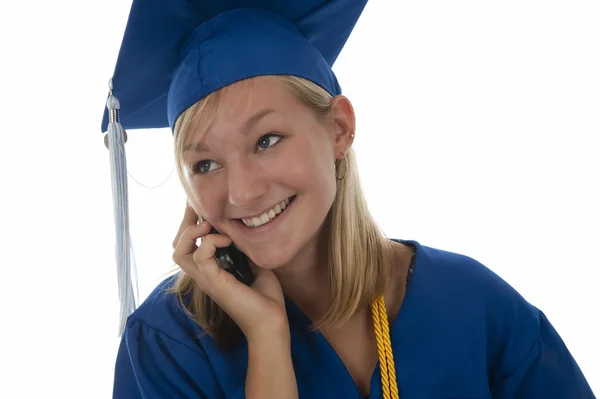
259 310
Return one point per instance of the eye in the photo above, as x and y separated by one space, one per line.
205 166
267 141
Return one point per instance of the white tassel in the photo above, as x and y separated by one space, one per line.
124 251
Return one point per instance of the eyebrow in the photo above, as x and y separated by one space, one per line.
253 120
248 125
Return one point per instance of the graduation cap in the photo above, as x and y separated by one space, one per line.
176 52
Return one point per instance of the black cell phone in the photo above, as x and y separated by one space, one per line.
234 261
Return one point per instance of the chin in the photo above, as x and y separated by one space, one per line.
271 258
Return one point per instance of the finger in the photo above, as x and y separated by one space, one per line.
183 255
189 256
216 282
266 282
190 218
209 276
210 243
187 241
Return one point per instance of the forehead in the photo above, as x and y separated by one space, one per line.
244 99
240 106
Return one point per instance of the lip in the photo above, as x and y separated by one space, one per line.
266 210
268 226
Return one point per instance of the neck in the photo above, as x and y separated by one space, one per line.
305 279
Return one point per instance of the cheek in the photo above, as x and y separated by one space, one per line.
310 169
210 196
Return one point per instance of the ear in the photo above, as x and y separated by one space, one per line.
344 125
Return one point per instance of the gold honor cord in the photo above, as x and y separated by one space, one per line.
389 385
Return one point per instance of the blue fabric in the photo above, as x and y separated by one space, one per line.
462 332
175 52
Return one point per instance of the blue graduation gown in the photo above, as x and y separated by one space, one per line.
462 332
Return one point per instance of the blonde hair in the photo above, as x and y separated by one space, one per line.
358 252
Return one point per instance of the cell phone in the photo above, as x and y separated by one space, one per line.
234 261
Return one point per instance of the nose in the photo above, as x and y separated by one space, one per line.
247 184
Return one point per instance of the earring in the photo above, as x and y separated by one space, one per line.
345 168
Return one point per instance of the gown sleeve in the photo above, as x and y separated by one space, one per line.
547 371
152 365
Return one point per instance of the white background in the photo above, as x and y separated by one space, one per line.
478 127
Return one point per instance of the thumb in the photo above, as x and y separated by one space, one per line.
267 283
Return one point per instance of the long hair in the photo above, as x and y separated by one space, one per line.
357 249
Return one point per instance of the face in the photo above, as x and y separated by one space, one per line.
264 169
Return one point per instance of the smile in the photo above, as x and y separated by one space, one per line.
269 215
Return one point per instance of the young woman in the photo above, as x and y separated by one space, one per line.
263 144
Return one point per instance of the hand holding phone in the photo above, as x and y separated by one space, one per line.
256 304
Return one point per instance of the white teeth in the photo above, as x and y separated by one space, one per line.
267 216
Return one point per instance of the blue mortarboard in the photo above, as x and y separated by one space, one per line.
175 52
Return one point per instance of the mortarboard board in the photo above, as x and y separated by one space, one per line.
175 52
